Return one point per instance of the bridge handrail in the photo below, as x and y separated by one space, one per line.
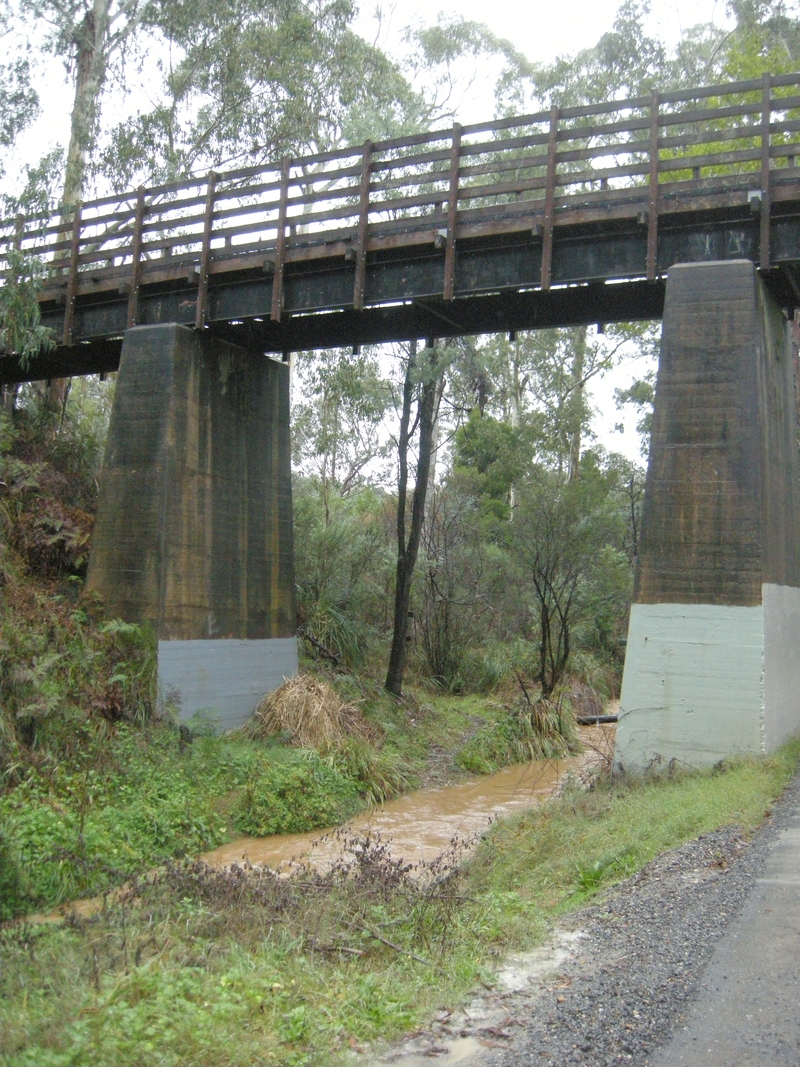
643 158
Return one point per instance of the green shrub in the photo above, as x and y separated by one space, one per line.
137 798
306 793
12 896
518 735
379 773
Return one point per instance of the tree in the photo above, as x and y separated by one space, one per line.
336 429
19 101
451 591
419 410
255 80
564 529
490 457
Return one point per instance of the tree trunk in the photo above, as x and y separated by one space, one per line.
515 405
408 549
9 397
90 68
435 437
576 402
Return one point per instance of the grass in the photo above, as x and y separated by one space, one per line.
138 797
131 798
197 967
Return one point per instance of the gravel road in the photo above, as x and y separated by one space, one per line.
629 980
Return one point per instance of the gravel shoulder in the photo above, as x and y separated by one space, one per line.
622 976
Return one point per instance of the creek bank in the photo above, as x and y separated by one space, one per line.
420 825
618 977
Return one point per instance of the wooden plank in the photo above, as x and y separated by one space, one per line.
280 245
686 118
766 115
363 224
785 79
710 159
549 197
677 96
452 213
205 254
412 181
520 163
579 133
136 259
785 126
619 148
652 204
751 132
72 279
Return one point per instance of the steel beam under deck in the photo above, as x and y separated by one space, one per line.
597 277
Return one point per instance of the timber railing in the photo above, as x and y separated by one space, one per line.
692 150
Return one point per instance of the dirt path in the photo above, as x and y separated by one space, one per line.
647 961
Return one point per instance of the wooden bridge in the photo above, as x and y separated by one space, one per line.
563 217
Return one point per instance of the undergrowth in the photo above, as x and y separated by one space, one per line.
202 967
518 733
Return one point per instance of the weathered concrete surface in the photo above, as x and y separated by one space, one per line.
223 680
683 657
194 524
747 1014
781 664
720 539
721 516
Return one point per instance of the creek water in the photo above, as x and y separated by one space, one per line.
418 826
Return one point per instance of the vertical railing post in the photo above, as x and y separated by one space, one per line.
652 200
72 279
363 228
280 244
452 214
136 259
205 253
549 200
766 116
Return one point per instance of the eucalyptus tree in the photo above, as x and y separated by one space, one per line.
19 101
338 437
419 409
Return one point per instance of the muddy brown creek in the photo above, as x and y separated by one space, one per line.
420 825
416 827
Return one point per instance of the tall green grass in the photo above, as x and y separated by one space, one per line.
202 968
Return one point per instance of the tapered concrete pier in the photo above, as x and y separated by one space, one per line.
712 666
194 524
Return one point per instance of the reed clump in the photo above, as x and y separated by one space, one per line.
309 714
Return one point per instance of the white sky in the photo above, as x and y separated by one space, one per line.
541 29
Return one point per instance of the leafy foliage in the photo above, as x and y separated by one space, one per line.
519 733
127 801
303 793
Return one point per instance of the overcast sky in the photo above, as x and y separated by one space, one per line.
543 29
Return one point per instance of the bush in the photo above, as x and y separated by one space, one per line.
519 734
305 793
12 896
135 798
379 773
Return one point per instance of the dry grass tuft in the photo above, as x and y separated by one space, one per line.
311 713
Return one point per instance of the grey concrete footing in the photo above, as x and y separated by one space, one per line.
221 682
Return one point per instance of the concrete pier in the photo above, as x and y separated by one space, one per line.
712 666
194 524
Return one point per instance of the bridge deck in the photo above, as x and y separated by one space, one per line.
557 218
